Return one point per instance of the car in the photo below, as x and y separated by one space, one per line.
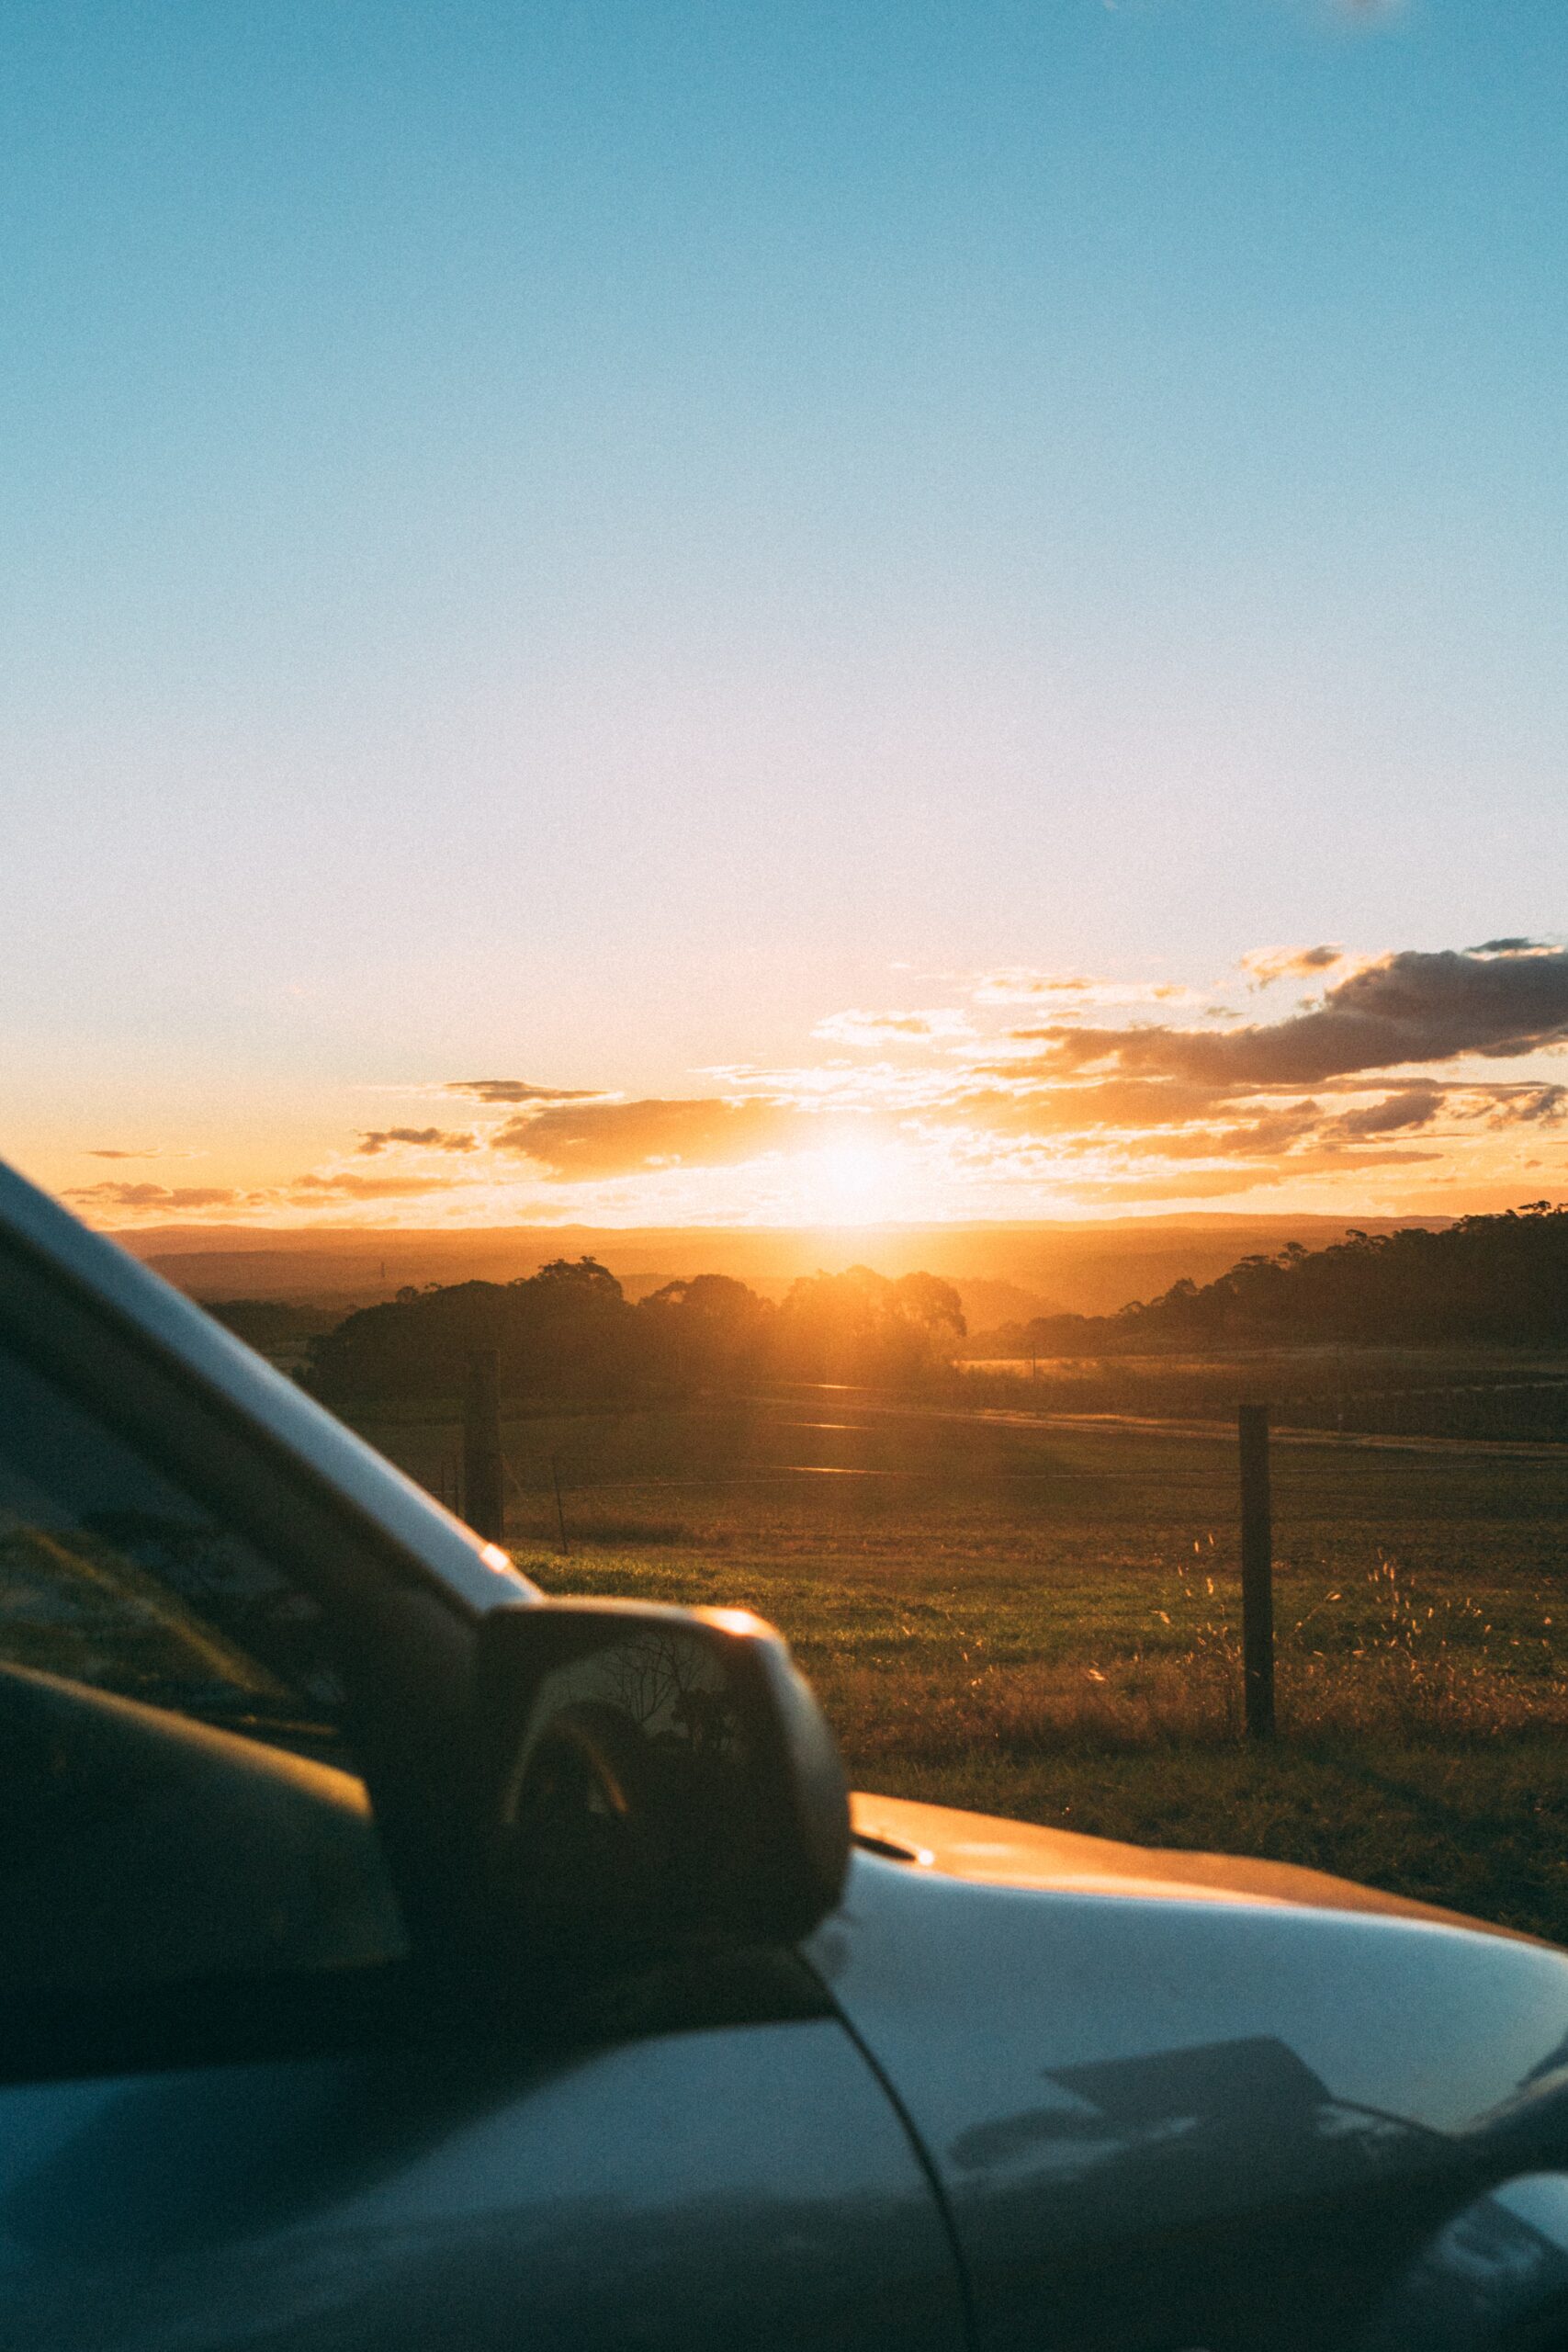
393 1957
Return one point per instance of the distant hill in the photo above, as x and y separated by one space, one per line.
1079 1268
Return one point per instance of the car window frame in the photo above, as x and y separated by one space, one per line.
406 1642
409 1645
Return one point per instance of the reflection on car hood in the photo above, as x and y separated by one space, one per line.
991 1851
1183 2099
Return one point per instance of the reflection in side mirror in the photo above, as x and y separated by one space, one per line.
648 1773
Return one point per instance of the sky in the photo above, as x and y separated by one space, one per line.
835 611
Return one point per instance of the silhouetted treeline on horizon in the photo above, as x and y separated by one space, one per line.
569 1335
1496 1281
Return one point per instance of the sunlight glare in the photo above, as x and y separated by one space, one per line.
849 1183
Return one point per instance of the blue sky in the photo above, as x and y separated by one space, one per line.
579 541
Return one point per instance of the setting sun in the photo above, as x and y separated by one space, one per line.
850 1183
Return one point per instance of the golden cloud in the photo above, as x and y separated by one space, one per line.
379 1139
515 1089
1264 965
153 1196
619 1138
872 1029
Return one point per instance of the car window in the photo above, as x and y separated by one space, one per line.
177 1795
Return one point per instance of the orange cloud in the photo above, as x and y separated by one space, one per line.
428 1138
893 1028
341 1184
1019 985
619 1138
1264 965
153 1196
933 1111
515 1089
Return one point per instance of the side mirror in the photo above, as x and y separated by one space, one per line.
647 1774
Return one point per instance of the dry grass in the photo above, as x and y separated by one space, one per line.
1381 1661
1045 1623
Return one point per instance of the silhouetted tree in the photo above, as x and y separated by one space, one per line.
1499 1279
708 1332
858 1326
271 1322
565 1333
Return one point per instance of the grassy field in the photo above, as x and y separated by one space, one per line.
1464 1392
1043 1619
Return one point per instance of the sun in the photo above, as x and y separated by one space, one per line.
850 1183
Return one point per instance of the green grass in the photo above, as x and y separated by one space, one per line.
1043 1621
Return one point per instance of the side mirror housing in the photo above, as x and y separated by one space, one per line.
648 1775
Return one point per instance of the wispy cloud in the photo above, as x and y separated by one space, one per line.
154 1196
515 1089
1524 1106
880 1029
344 1185
1264 965
1017 984
379 1139
1413 1106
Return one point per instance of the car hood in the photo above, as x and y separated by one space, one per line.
990 1851
1097 2044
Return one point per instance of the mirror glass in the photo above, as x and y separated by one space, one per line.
629 1796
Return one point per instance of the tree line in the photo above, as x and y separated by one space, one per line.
1498 1281
569 1335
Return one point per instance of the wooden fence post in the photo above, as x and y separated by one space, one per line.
560 1512
484 1501
1256 1572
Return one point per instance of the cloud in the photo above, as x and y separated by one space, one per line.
153 1196
1528 1106
854 1028
1264 965
515 1090
621 1138
1019 985
1460 1106
1413 1106
1404 1008
343 1185
976 1116
1266 1138
429 1138
104 1154
1083 1108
